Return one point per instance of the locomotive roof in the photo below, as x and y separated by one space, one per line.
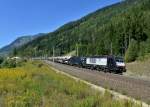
103 56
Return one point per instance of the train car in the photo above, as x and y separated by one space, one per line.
100 63
61 59
105 63
75 61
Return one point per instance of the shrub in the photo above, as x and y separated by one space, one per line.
12 63
9 64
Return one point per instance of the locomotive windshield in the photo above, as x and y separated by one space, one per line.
119 59
120 62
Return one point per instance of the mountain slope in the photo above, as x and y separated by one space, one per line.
18 43
106 31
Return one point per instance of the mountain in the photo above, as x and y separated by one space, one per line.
121 29
18 43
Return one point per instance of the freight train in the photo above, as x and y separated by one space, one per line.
109 64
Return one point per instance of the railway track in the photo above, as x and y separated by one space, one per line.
132 87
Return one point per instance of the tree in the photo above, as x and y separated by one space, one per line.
1 60
14 52
132 51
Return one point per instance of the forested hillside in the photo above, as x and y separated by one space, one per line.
122 29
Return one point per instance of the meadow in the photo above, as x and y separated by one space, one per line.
140 68
35 84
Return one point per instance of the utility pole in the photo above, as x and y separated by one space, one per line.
53 54
111 48
35 53
126 44
129 38
77 50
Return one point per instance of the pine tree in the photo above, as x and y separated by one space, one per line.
132 51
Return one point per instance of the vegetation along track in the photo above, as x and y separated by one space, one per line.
136 88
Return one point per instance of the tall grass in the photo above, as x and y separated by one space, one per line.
139 68
37 85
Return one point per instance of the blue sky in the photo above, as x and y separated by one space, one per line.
27 17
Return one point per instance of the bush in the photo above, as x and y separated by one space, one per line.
9 63
132 52
12 63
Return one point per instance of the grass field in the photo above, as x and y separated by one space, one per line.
139 68
37 85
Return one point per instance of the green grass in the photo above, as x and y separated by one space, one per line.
37 85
